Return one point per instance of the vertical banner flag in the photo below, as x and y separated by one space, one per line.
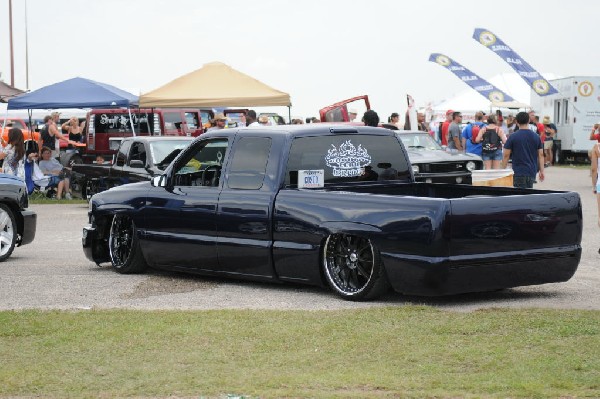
533 78
480 85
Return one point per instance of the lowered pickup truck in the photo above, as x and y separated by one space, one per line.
332 205
137 159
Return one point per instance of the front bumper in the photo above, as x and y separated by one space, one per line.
95 247
29 226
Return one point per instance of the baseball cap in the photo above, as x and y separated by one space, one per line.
449 112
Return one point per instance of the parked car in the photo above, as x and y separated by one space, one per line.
17 223
295 203
432 164
137 159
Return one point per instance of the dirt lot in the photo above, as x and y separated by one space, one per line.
52 273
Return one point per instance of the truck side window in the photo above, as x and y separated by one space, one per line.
249 163
191 119
173 120
202 165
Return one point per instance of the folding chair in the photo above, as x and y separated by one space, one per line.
38 185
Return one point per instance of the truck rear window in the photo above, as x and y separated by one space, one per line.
348 158
120 123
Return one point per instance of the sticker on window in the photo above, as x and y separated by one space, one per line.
311 178
347 160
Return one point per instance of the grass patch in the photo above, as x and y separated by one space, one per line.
56 201
407 351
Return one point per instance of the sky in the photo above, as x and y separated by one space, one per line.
319 52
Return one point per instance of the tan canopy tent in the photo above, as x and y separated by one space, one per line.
215 85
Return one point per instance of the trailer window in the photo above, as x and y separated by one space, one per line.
557 114
566 111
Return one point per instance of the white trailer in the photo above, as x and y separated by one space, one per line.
574 110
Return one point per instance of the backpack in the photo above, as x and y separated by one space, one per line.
491 140
474 132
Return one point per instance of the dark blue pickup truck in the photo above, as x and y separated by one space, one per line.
332 205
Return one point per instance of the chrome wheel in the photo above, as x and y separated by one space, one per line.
7 232
120 241
352 266
125 254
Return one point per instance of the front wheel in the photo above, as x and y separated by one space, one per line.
353 267
125 253
8 234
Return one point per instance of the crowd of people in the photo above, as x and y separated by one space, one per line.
16 155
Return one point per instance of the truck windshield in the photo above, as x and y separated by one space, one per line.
163 152
347 158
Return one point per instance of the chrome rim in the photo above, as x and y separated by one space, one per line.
120 241
6 232
349 262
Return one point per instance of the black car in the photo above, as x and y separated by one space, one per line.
432 164
17 223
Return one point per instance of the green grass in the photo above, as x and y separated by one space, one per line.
55 201
371 353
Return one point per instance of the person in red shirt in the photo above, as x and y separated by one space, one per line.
443 130
595 133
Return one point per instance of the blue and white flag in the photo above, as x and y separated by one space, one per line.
480 85
533 78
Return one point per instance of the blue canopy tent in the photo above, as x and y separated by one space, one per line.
74 93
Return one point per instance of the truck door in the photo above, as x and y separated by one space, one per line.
181 219
244 213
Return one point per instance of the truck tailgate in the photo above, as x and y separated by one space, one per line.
493 226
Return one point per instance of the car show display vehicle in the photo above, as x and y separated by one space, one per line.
332 205
17 223
432 164
137 159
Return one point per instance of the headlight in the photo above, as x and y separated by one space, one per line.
415 168
471 166
428 180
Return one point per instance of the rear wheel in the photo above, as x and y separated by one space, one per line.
125 253
8 234
353 267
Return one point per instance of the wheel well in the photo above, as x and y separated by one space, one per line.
16 210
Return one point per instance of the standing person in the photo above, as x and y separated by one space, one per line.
394 119
595 180
75 130
510 124
491 138
550 133
454 132
50 136
443 128
470 132
13 153
352 114
527 153
251 118
370 118
220 122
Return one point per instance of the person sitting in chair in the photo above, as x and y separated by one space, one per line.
57 172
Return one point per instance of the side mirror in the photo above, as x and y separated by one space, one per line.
158 181
136 163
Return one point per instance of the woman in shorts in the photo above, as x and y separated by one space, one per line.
491 138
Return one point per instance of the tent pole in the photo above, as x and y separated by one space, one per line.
29 112
131 121
289 114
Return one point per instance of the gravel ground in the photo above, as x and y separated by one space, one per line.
52 273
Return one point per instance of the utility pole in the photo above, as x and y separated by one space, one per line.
26 52
12 58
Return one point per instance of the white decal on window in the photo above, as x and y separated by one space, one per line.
347 160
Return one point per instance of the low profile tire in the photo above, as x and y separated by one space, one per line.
353 267
124 248
8 234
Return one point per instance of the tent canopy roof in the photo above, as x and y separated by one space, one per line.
8 91
74 93
214 85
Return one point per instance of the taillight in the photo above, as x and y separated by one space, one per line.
91 142
157 129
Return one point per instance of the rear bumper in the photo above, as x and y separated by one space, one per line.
457 276
95 248
29 226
